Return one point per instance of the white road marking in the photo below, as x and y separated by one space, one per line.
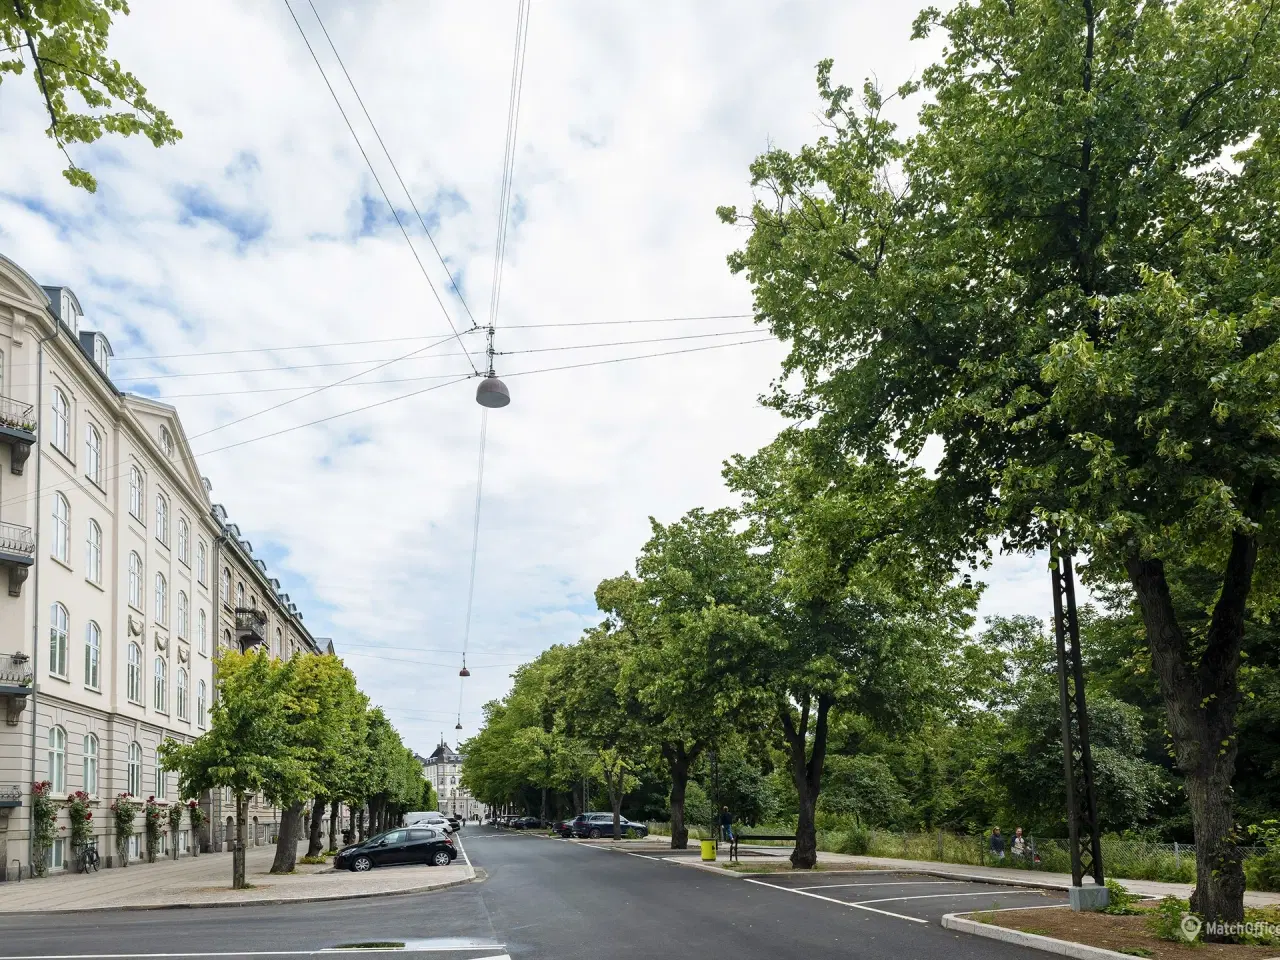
934 896
881 883
463 849
843 903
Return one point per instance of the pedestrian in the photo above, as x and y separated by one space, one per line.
1019 845
997 844
726 824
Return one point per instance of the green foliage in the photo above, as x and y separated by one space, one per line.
864 787
80 815
697 806
44 812
67 41
124 810
196 815
1263 872
1119 900
1166 920
152 825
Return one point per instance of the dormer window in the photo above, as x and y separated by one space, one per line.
100 353
69 315
166 441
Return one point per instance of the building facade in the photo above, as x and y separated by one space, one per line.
121 580
443 770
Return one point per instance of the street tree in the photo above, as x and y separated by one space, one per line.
85 93
1067 278
862 611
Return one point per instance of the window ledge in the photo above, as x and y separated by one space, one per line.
62 563
58 676
95 585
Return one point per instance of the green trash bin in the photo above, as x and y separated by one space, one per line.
708 850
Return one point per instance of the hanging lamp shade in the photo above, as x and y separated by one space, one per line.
492 393
464 672
458 727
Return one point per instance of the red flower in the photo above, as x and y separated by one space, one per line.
89 815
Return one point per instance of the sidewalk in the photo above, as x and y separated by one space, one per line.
1147 888
206 881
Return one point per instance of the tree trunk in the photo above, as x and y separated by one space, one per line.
615 800
286 858
1201 700
333 825
360 826
315 843
544 805
238 851
807 774
679 765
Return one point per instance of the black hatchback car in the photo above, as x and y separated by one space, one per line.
593 826
403 845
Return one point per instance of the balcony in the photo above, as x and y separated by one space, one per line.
16 680
251 628
10 796
18 429
17 553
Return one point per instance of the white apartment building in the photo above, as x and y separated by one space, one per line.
443 770
122 580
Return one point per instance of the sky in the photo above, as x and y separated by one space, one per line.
263 228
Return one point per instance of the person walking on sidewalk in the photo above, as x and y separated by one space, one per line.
997 844
726 824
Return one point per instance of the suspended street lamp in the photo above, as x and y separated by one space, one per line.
492 392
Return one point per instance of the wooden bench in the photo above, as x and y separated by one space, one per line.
733 841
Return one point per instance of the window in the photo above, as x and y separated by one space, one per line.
202 563
160 780
135 581
135 771
162 599
93 553
183 536
226 639
100 353
200 704
161 693
240 594
58 761
92 655
61 528
61 422
182 613
93 454
136 490
226 585
91 764
182 694
133 676
202 632
58 622
279 642
162 519
166 440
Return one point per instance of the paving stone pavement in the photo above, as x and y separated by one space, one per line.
206 880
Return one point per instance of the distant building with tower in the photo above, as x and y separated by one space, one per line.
443 770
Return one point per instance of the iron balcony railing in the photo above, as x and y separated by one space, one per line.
15 669
10 794
251 623
17 415
17 539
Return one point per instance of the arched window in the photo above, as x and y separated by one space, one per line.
240 594
161 779
93 454
93 553
58 760
202 632
136 491
182 694
135 580
61 422
90 764
279 642
162 519
135 769
182 613
226 585
133 677
162 599
226 639
200 704
183 537
202 563
160 700
61 528
92 654
58 625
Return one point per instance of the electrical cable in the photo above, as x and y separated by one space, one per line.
391 206
306 386
626 343
394 168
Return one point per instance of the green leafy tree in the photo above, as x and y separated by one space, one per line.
1067 277
864 787
64 44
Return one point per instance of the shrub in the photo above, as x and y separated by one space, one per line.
124 809
1263 872
81 819
1166 920
45 813
151 815
1119 900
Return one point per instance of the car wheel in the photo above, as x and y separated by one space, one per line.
361 864
594 833
441 858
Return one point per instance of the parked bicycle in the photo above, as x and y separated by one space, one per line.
89 858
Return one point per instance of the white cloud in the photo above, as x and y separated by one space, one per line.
638 120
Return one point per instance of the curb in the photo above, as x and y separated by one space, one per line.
1063 948
264 902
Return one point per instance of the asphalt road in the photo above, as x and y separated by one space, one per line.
545 899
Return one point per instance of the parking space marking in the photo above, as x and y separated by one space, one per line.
883 883
843 903
935 896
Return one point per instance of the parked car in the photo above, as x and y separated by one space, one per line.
593 826
562 828
431 818
454 821
417 844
